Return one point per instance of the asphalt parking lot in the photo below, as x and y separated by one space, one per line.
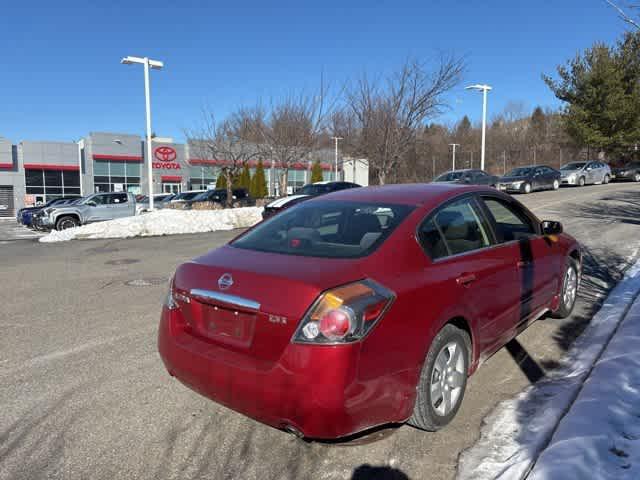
85 395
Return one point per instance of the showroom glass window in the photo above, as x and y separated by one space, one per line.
201 176
113 176
49 184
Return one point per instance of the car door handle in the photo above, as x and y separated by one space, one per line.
466 279
523 264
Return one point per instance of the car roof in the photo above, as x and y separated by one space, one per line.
404 194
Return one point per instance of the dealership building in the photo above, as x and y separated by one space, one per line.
33 172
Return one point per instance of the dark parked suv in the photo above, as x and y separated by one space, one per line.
241 197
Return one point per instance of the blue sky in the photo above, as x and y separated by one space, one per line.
60 75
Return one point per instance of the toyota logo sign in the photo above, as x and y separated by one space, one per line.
165 154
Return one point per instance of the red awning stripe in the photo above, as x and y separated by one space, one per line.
6 165
117 158
48 166
254 163
171 178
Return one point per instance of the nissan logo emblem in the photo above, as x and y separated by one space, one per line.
225 281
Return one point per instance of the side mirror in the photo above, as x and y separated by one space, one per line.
91 203
551 227
588 169
467 179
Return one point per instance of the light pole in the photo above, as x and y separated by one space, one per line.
156 64
454 145
336 139
484 89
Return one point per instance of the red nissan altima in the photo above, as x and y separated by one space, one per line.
365 306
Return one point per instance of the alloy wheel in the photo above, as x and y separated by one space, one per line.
636 177
556 185
527 188
570 287
447 379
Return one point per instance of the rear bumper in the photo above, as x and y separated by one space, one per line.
314 389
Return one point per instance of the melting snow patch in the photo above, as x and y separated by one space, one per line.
162 222
515 433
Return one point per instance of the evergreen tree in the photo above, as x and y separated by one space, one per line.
601 89
245 178
258 182
316 173
221 181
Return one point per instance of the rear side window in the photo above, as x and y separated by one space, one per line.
330 229
456 228
511 222
118 198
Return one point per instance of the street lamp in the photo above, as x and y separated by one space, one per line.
148 63
336 156
484 89
454 145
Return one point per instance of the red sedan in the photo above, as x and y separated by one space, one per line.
366 306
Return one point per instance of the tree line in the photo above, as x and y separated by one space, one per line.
391 121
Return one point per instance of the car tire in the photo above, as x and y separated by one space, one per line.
556 184
66 222
526 188
569 292
430 413
581 182
606 179
636 177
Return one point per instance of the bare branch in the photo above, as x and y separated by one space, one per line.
624 15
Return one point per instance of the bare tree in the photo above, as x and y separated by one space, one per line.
229 141
624 15
388 115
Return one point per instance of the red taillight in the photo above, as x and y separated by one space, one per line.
344 314
336 324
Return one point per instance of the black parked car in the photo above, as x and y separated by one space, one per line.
219 195
25 215
528 179
628 171
468 176
310 190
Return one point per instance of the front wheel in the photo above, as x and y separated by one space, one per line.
556 184
606 179
526 188
67 222
569 293
443 380
581 182
636 177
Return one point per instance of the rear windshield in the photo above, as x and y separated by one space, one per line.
329 229
449 177
315 189
573 166
520 172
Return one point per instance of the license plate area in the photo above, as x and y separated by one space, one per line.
225 325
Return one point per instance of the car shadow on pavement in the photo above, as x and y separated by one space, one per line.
367 472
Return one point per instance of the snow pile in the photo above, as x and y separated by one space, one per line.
162 222
518 429
598 437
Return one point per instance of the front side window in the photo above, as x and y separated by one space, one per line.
456 228
327 229
118 198
573 166
511 222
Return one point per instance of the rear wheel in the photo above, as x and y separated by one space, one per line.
556 184
443 380
67 222
569 293
581 182
606 179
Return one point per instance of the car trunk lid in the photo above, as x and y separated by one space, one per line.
253 301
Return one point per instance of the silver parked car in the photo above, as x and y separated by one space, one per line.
160 200
585 173
93 208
